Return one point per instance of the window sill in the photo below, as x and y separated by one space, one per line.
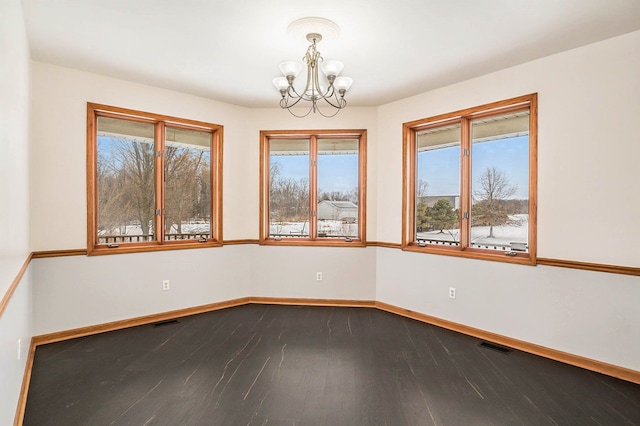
313 243
497 256
142 248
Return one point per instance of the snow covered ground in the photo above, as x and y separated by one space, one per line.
329 228
187 228
503 235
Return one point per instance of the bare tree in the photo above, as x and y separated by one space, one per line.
354 195
274 173
489 207
288 197
114 210
421 205
182 170
349 195
422 188
202 206
126 186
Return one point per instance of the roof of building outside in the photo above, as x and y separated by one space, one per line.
341 204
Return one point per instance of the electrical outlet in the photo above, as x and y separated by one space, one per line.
452 293
318 276
165 285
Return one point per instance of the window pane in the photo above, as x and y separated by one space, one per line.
500 182
289 188
125 180
337 215
438 186
187 199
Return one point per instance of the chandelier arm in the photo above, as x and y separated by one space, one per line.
329 93
287 104
295 94
336 111
299 116
335 101
332 99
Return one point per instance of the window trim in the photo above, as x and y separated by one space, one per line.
94 111
313 136
464 117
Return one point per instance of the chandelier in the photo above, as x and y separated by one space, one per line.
328 92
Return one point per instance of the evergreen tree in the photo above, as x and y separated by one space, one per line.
442 215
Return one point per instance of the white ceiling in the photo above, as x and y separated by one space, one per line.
229 50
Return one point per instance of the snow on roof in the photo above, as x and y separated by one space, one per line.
341 204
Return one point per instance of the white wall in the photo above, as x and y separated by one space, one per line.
588 142
589 146
347 273
59 134
15 322
77 291
591 314
58 169
581 103
14 142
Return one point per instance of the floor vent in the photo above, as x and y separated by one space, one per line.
167 322
497 348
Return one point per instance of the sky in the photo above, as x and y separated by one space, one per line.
510 156
440 167
108 148
335 172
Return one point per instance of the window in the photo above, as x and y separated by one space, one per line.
154 182
470 182
312 187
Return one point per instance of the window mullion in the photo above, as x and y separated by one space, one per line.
313 187
215 186
465 183
159 181
362 185
409 182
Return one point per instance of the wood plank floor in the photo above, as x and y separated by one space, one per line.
292 365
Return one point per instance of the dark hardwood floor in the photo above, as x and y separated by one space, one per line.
291 365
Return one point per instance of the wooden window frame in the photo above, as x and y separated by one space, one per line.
464 117
160 122
313 136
